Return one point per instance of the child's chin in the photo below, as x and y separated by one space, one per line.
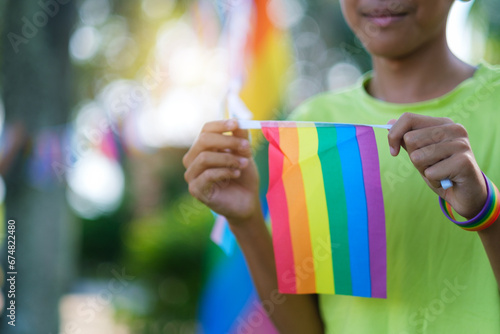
388 50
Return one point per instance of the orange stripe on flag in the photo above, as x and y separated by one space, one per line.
299 224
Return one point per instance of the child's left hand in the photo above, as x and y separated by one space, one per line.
440 149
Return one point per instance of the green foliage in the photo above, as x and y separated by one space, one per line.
100 239
166 250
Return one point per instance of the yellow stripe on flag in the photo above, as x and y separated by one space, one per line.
317 209
299 225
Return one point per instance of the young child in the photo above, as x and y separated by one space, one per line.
441 278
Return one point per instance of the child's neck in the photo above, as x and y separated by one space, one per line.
430 72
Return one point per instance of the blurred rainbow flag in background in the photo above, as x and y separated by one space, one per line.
260 55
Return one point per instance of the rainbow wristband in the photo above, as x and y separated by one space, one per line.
485 218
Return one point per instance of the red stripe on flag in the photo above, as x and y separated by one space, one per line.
279 215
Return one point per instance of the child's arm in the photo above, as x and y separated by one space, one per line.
440 149
290 313
221 173
491 242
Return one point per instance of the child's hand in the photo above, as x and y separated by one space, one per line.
221 172
440 149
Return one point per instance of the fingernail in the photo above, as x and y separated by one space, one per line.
393 151
243 162
236 172
244 145
230 124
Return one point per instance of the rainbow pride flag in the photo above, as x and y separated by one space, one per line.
327 210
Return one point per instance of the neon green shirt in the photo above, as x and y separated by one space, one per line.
439 278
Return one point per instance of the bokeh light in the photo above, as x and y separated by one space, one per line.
84 43
286 13
466 40
94 12
342 75
96 185
157 8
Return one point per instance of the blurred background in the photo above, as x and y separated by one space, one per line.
100 99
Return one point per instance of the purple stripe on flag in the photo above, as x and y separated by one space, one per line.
376 215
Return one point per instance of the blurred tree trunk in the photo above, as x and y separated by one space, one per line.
36 90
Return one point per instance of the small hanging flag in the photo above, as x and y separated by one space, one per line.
327 209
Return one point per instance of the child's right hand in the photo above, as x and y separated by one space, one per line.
221 172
